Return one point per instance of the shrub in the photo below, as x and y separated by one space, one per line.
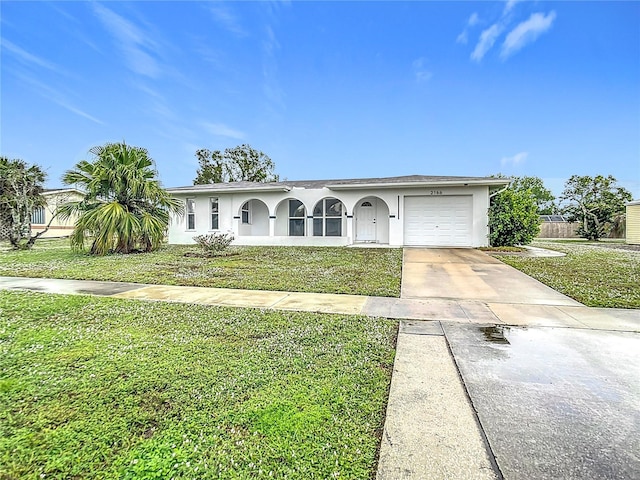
214 243
513 219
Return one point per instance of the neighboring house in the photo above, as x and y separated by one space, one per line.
633 222
41 216
396 211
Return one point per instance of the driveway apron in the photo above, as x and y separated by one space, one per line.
468 274
548 402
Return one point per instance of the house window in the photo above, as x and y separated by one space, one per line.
327 218
214 213
297 214
245 213
37 216
191 214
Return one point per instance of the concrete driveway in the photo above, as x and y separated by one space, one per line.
550 387
469 274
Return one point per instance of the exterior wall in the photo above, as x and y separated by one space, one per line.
389 230
633 223
58 227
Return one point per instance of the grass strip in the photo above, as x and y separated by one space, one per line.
594 274
356 271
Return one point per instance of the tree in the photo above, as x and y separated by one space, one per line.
234 165
125 209
513 218
21 187
594 202
542 196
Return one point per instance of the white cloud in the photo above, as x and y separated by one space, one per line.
224 17
509 6
420 70
56 97
517 159
136 46
28 58
526 32
464 36
487 38
222 130
271 86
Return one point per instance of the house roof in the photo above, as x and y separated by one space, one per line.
635 202
54 191
344 184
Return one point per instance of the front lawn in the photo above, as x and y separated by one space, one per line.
357 271
596 274
107 388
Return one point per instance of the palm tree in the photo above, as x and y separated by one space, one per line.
124 209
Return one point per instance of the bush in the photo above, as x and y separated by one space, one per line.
513 219
214 243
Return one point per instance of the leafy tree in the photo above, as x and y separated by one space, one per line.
234 165
125 209
513 218
542 196
534 186
21 187
594 202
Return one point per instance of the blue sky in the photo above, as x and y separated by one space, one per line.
329 89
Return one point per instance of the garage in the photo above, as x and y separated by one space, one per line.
445 221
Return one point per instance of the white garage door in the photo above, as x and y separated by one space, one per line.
445 221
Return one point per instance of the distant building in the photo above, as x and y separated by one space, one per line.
41 216
633 222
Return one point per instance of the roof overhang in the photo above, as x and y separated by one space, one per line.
268 188
435 183
57 191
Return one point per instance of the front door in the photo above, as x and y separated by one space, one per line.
366 221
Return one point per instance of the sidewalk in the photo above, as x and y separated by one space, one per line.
438 309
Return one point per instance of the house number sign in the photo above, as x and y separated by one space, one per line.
435 192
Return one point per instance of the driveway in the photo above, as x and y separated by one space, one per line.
469 274
553 385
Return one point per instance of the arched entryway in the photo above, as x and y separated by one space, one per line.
254 218
371 225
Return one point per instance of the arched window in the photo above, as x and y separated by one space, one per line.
297 218
327 218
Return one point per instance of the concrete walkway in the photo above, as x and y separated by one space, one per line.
463 310
432 428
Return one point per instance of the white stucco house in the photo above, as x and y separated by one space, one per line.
396 211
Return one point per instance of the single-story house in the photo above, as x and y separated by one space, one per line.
41 216
396 211
633 222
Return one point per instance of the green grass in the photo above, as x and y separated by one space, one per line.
357 271
592 273
107 388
